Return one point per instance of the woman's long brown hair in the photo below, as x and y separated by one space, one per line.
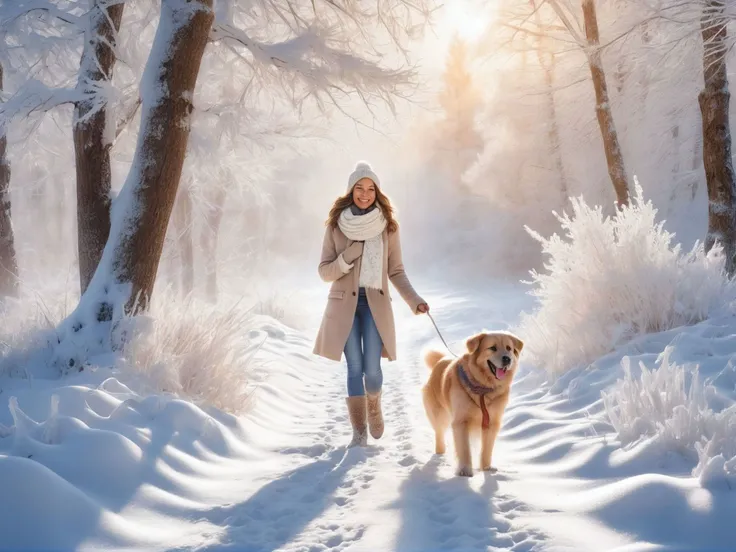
343 202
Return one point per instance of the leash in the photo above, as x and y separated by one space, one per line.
440 334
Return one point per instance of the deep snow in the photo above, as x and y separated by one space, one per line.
111 468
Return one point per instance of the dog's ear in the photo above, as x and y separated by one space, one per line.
474 342
518 344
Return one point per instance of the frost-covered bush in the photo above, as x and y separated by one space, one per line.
610 279
28 334
192 349
196 351
668 406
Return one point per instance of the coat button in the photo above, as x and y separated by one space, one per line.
381 292
353 294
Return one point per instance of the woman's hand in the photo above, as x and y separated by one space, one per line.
423 308
354 251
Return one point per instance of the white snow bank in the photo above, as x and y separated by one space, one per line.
634 450
611 279
675 408
85 456
122 470
663 403
100 459
564 477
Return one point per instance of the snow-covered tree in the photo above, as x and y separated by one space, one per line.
565 27
547 59
8 261
540 125
717 159
329 56
94 134
127 269
36 35
614 157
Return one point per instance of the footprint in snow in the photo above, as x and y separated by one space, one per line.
313 451
408 461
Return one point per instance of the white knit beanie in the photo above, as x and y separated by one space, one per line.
362 170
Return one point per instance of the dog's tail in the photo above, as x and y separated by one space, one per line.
432 357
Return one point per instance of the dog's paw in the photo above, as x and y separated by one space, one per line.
490 469
464 471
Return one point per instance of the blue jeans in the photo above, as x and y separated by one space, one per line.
363 351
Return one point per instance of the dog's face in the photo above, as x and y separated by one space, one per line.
493 357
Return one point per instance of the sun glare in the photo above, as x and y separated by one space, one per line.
460 19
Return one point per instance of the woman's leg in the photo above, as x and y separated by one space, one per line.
372 347
356 400
354 358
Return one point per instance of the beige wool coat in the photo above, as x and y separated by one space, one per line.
342 299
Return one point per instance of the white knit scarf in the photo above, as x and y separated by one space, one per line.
369 229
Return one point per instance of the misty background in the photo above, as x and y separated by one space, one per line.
467 157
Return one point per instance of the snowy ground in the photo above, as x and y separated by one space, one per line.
112 469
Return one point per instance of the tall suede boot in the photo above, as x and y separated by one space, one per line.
357 412
375 416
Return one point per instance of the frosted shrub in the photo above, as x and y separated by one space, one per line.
611 279
669 406
194 350
28 334
667 401
201 353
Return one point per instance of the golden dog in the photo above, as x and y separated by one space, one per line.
458 389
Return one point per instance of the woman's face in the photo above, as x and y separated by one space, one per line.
364 193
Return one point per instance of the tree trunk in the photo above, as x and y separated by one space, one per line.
142 210
210 236
555 142
714 100
8 261
185 246
93 138
614 158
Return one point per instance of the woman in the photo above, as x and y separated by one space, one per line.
361 252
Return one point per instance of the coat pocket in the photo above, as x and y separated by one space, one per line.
336 295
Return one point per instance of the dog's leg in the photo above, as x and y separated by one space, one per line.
439 419
488 439
462 449
441 423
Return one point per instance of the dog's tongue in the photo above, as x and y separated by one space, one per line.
501 373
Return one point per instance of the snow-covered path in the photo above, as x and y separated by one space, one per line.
111 469
560 485
394 495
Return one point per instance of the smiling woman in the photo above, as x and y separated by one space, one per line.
361 253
